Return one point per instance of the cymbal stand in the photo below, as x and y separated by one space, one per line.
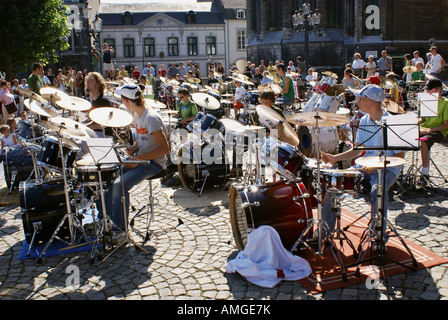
376 231
322 226
69 215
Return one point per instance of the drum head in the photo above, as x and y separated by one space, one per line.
306 141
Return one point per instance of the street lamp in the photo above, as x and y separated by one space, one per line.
304 20
84 28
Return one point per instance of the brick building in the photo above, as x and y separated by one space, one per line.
347 27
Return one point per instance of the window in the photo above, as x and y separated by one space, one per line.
128 48
173 47
126 18
150 47
210 43
241 40
192 46
241 14
111 43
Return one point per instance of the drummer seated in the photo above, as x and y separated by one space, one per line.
267 98
435 128
187 109
418 75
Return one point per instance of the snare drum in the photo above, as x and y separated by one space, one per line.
346 181
283 205
27 128
50 157
89 175
328 140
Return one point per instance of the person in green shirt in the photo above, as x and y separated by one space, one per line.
187 109
35 80
433 129
96 60
287 85
418 75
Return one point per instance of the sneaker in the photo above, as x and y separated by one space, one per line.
424 179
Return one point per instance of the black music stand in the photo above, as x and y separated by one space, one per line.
373 230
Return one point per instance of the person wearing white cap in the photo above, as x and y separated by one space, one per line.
369 135
151 146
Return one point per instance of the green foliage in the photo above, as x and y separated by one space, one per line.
32 30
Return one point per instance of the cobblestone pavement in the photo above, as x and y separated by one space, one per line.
186 261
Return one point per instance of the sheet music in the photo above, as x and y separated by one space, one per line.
402 130
102 150
428 104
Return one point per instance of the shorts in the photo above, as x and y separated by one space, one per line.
108 67
432 138
237 105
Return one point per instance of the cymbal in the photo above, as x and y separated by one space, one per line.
194 80
392 107
330 74
41 109
409 69
335 90
378 162
173 82
155 104
62 128
190 85
206 101
53 94
343 111
243 79
317 119
232 124
251 127
28 93
111 117
210 89
273 120
69 123
270 86
74 104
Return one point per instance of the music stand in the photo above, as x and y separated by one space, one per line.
391 140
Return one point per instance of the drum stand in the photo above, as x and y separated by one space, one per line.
69 215
322 226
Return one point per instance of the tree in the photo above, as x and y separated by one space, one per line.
32 31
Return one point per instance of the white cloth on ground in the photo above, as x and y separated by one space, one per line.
265 262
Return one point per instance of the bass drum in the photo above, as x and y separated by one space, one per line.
209 166
44 203
283 205
328 140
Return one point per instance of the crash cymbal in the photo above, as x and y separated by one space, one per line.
409 69
242 78
392 107
111 117
72 124
53 94
41 109
317 119
270 86
61 128
378 162
330 74
335 90
74 104
155 104
210 89
206 101
232 125
30 94
194 80
272 120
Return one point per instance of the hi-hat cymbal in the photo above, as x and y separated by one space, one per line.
270 86
378 162
194 80
74 104
41 109
69 123
392 107
206 101
273 120
53 94
317 119
62 128
409 69
155 104
111 117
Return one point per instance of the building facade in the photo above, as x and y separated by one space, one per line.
347 27
164 32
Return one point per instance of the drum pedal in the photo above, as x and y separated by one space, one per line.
37 227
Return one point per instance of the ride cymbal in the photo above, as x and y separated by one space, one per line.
111 117
206 101
318 119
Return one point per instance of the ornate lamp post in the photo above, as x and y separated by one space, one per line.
304 20
86 29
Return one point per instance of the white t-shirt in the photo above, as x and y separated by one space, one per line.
240 92
436 63
8 141
415 60
145 125
358 64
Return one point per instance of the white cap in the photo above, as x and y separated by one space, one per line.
371 91
129 91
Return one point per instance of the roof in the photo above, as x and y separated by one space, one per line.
120 6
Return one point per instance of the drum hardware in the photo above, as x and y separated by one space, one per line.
37 227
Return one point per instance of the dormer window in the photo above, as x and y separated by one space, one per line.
127 18
241 14
191 17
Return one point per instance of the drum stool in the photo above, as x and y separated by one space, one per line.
149 205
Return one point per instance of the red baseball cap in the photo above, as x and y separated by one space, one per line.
375 79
